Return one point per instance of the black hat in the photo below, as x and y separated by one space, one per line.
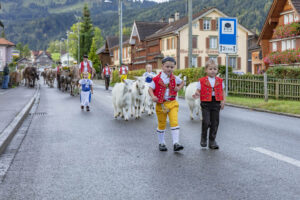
170 59
85 56
59 63
106 65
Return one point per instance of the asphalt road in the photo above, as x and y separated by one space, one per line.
72 154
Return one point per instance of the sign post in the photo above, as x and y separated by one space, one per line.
227 40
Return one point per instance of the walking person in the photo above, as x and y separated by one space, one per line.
86 66
149 75
106 75
5 80
123 72
163 90
58 71
210 90
86 91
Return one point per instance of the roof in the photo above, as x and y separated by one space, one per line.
148 28
124 43
44 52
101 50
113 41
177 24
296 4
3 41
20 60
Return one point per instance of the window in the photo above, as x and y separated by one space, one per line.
293 44
206 24
296 18
173 43
213 43
286 19
195 42
274 46
291 18
217 23
232 62
288 44
283 45
194 61
162 44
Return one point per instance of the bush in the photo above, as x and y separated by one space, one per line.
284 72
222 69
192 74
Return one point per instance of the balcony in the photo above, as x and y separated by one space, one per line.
288 30
282 58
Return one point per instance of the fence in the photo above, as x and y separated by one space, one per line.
254 87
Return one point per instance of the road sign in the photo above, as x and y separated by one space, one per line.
227 35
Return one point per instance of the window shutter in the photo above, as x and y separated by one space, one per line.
206 59
239 64
195 42
199 62
175 43
186 62
207 42
219 60
201 24
213 25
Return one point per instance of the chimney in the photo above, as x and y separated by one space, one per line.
176 16
171 19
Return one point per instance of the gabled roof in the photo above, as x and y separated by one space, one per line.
3 41
46 53
112 41
274 12
101 50
22 59
124 43
145 29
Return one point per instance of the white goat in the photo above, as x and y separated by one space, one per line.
121 96
194 104
138 96
149 105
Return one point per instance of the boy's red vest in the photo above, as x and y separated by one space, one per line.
106 70
122 70
160 88
88 66
206 89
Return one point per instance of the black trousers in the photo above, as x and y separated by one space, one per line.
107 80
58 81
210 115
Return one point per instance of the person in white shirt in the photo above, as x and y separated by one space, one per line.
123 72
86 91
86 66
106 75
149 74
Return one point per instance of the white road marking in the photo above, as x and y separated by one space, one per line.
277 156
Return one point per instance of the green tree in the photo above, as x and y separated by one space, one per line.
94 57
26 51
126 31
98 37
86 32
73 40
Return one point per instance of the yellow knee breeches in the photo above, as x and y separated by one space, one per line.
89 77
123 77
168 108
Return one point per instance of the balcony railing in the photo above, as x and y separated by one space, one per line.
286 57
288 30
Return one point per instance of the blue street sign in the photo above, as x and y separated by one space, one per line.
227 35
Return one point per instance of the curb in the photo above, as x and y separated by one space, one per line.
262 110
9 132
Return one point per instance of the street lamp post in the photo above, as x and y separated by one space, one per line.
120 9
78 35
68 47
190 17
60 51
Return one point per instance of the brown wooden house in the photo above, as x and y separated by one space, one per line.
282 14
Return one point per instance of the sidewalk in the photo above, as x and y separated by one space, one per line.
14 105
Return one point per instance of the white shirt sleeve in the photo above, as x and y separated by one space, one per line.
80 81
178 80
152 85
198 85
223 85
126 68
91 63
91 82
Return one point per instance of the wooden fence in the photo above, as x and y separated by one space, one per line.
254 87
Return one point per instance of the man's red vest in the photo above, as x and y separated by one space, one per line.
206 89
160 88
88 66
106 70
123 69
58 70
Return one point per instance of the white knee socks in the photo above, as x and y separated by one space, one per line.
161 136
175 134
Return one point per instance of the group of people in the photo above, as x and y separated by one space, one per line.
163 89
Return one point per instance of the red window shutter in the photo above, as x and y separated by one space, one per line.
239 63
186 62
213 25
219 60
207 42
195 42
201 24
199 62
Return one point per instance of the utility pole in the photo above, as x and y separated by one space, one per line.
68 48
120 31
190 17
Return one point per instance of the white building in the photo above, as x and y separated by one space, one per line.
64 60
6 48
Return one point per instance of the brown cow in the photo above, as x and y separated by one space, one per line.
50 76
30 74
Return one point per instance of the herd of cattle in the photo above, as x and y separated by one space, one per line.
131 98
27 76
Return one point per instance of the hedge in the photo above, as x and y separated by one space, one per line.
284 72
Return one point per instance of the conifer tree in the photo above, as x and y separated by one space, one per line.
86 32
94 57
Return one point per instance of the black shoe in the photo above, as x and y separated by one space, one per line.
162 147
82 107
87 108
213 145
203 143
178 147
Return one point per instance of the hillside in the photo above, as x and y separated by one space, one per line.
37 23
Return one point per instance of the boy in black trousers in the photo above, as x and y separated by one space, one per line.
210 89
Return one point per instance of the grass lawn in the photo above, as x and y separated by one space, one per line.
284 106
